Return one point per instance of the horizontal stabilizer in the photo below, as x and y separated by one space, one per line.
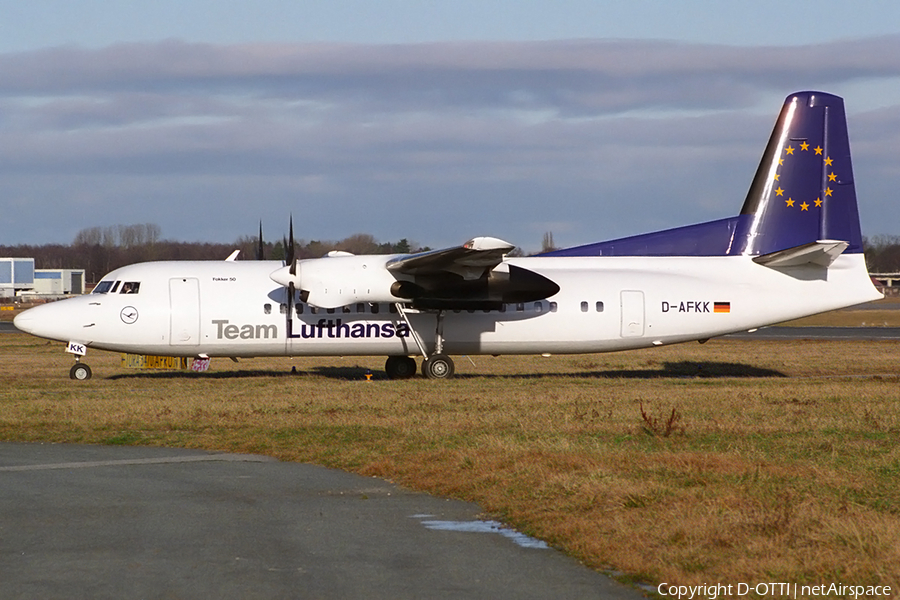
822 253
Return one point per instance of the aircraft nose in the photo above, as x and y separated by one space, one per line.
24 322
54 321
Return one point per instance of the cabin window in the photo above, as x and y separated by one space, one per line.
599 306
374 308
520 307
299 308
502 308
102 287
282 308
267 308
314 310
553 307
538 307
131 287
330 311
360 308
345 309
392 308
584 307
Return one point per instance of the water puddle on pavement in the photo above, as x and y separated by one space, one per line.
483 527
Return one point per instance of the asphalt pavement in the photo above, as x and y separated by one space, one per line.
820 333
125 522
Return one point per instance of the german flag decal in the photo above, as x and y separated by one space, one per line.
722 307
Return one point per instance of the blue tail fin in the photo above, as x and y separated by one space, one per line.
803 192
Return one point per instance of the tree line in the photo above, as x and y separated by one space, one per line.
99 250
882 253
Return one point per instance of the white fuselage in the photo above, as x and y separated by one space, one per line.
222 308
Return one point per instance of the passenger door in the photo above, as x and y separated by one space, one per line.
184 310
632 311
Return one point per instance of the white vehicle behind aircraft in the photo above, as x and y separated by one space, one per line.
794 250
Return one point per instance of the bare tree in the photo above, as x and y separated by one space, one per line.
547 244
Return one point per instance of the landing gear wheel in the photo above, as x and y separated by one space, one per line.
400 367
438 366
80 371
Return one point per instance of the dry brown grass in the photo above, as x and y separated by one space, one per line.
784 464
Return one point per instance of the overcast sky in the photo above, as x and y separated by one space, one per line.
425 120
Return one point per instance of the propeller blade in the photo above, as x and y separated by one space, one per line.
260 249
290 249
290 301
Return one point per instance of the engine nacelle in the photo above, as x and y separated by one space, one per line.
339 280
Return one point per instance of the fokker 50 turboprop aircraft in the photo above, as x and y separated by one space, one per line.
794 250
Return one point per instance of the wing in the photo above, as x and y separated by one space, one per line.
470 261
471 276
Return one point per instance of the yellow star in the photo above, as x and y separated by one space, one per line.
827 191
832 177
779 191
818 150
828 161
804 206
789 149
777 176
789 202
780 161
818 202
804 146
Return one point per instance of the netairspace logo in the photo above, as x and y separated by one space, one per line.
772 590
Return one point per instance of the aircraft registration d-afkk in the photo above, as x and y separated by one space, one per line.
794 250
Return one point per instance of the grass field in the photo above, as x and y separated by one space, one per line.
723 462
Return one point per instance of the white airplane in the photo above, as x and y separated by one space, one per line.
794 250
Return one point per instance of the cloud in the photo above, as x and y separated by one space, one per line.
602 138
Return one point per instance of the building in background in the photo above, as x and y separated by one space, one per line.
16 275
58 282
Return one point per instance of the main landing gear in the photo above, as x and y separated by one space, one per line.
436 366
400 367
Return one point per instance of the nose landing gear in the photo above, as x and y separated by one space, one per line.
80 371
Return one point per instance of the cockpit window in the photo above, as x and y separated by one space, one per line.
115 287
102 287
131 287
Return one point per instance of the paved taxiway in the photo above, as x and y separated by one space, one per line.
820 333
125 522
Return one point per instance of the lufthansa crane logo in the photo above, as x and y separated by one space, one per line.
129 315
